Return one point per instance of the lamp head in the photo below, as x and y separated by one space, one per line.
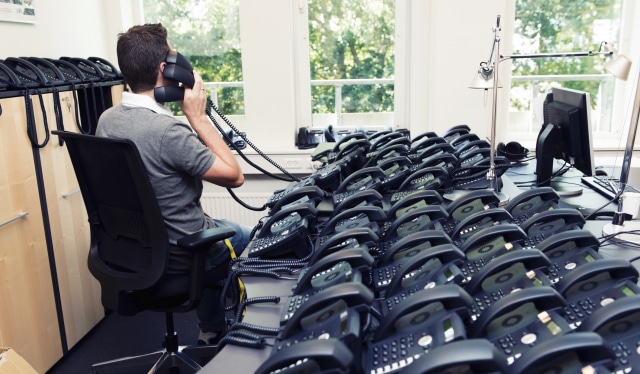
619 65
484 78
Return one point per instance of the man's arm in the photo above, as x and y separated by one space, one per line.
225 171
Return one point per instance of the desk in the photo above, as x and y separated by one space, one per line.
247 360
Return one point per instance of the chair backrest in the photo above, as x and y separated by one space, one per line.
129 241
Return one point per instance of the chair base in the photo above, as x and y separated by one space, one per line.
188 359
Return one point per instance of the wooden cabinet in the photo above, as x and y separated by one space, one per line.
49 298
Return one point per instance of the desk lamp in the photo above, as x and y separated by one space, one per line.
486 79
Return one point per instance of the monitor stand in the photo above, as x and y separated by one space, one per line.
564 189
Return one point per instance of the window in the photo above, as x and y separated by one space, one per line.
351 44
207 32
563 26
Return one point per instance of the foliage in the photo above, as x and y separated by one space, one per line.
562 26
208 34
351 39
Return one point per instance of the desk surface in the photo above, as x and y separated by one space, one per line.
247 360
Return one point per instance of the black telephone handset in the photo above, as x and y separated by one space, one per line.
431 267
568 250
432 150
48 69
455 132
279 194
478 178
345 149
429 217
179 69
447 161
418 145
91 71
619 324
389 139
509 273
70 72
536 200
413 201
311 193
468 163
470 203
285 233
8 77
26 72
463 150
463 140
583 352
480 357
596 284
421 322
106 66
360 198
428 178
353 295
329 356
367 178
339 267
359 216
547 223
521 308
424 135
395 169
450 297
489 243
360 237
389 151
411 244
478 221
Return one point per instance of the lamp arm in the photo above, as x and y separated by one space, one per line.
555 54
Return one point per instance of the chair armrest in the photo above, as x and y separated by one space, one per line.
204 239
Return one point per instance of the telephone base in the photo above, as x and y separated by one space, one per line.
623 234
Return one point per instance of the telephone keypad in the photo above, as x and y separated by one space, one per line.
293 303
577 311
393 355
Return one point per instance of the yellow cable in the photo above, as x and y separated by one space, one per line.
232 254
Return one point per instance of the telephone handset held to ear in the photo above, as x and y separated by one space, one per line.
178 68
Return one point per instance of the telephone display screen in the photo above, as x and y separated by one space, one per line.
468 209
487 249
410 208
627 291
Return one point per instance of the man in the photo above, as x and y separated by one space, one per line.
177 156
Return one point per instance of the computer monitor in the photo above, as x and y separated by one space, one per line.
565 134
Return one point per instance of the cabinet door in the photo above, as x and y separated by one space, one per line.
28 318
79 291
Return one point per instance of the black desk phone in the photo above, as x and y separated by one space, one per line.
478 221
467 204
425 218
593 285
536 200
545 224
329 356
428 178
568 250
285 234
279 194
396 170
331 312
522 320
411 245
509 273
489 243
360 237
619 325
360 198
418 324
410 259
371 217
479 357
363 179
309 193
424 273
419 144
583 352
413 201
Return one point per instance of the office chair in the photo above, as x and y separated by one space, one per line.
129 249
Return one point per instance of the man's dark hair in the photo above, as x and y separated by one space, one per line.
140 51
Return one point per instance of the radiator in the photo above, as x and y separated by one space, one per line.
222 205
